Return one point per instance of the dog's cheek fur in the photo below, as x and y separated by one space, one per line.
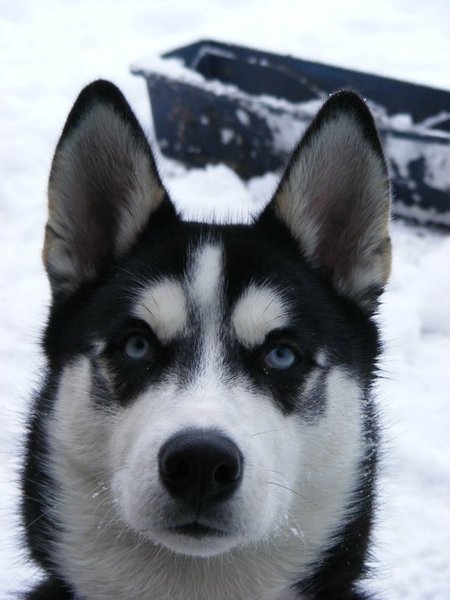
77 427
77 434
332 449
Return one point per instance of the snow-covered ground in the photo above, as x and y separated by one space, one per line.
50 49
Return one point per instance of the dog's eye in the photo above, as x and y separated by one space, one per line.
281 357
137 347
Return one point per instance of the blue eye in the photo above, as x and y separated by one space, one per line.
281 358
137 348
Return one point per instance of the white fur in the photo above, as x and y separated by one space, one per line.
163 306
258 311
204 281
331 450
205 277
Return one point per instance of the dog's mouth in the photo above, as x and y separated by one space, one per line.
197 530
195 538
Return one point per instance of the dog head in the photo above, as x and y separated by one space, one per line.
211 378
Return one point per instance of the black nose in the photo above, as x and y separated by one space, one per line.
200 467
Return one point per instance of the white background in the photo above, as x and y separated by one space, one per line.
50 49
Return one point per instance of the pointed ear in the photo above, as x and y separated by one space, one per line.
103 188
334 198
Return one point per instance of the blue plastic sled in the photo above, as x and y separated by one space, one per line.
247 109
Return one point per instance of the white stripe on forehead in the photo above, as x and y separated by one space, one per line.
259 310
164 307
205 276
205 285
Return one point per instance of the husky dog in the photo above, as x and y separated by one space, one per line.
205 430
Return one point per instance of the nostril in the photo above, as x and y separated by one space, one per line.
176 470
225 474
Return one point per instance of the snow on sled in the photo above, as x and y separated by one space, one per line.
220 103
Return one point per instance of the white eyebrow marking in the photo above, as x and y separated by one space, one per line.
163 306
258 311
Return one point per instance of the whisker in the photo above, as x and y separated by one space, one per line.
276 472
39 517
263 432
285 487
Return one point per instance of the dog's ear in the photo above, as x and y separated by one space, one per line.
334 197
103 188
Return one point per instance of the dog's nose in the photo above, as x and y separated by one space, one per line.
200 467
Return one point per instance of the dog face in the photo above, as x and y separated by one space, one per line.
212 380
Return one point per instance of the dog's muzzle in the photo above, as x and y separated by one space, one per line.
200 468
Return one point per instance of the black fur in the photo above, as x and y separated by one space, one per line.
50 589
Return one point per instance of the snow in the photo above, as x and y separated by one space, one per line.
436 160
50 49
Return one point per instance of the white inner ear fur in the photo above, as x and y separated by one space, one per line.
258 311
335 201
101 151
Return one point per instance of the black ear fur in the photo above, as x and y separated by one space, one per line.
98 92
103 187
340 103
335 199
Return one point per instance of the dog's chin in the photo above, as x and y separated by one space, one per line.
194 539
